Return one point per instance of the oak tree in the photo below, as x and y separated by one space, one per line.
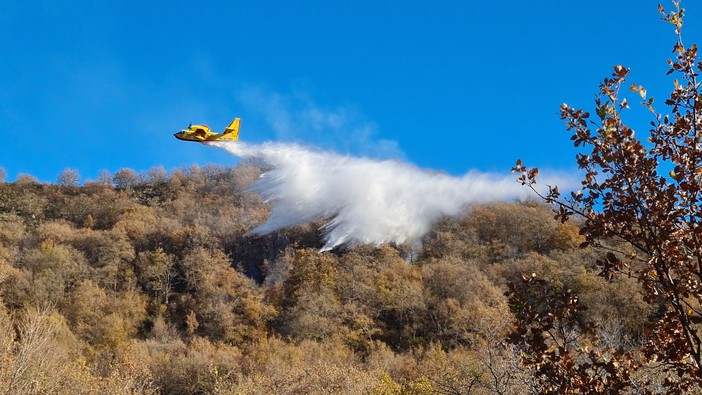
640 203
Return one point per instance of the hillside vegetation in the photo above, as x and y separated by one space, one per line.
151 284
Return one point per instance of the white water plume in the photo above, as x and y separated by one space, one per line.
366 201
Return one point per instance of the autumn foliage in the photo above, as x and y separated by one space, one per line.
150 283
640 207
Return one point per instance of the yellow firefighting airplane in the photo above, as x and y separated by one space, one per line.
201 133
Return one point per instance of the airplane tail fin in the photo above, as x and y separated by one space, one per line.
232 131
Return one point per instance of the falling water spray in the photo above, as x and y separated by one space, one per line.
365 201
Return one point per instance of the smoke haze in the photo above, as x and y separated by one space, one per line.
366 201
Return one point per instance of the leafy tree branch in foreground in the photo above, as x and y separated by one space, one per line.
641 201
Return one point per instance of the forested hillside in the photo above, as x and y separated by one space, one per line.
150 283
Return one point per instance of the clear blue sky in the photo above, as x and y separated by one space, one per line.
447 85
